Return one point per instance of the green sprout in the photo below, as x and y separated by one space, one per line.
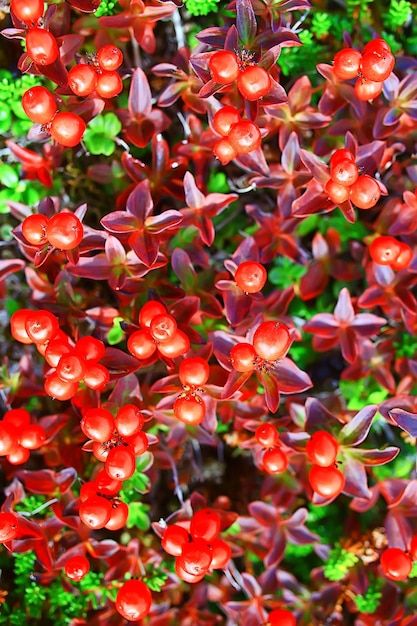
339 563
100 134
201 7
370 600
399 12
107 7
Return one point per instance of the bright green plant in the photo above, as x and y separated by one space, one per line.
339 563
101 133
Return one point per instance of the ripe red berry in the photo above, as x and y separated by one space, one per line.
341 154
221 555
95 512
34 228
118 516
163 327
120 463
196 557
267 435
344 172
71 368
28 11
281 617
41 46
39 105
133 600
384 250
41 326
251 276
18 455
109 84
377 66
82 79
57 388
376 45
178 345
328 482
396 564
274 461
365 192
322 448
254 82
194 371
67 128
109 57
271 340
224 67
245 136
337 193
346 63
149 310
76 568
366 90
64 231
9 525
17 326
32 436
129 420
97 424
404 257
96 376
224 151
174 539
242 357
413 548
90 348
205 524
9 438
17 418
190 409
224 119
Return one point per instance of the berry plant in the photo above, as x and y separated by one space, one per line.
208 271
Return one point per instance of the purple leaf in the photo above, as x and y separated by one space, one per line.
398 530
139 202
344 311
405 420
163 221
271 390
318 417
145 246
358 428
245 21
265 514
290 378
119 363
372 457
140 97
356 479
119 222
234 382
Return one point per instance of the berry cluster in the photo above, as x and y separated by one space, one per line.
189 406
73 364
100 507
66 127
238 136
253 81
345 183
271 341
158 332
274 460
196 546
99 76
63 230
18 436
324 477
370 68
386 250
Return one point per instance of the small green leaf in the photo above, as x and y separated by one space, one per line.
138 517
8 175
115 334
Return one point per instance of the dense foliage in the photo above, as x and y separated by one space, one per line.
208 264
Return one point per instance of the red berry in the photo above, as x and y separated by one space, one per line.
190 409
175 347
377 66
242 357
254 82
413 548
57 388
281 617
224 119
18 455
8 438
271 340
194 371
39 105
76 568
133 600
205 524
222 553
274 461
67 129
346 63
163 327
109 57
32 436
41 326
149 311
367 89
98 424
34 228
404 257
224 67
82 79
341 154
196 557
120 463
251 276
396 564
90 348
17 326
95 512
328 482
174 539
129 420
376 45
41 46
118 516
71 368
29 11
64 231
344 172
322 448
245 137
267 435
365 192
17 418
384 250
224 151
109 84
337 193
141 344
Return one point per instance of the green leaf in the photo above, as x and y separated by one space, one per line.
115 334
138 517
8 175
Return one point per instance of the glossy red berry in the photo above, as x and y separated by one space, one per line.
196 557
267 435
34 229
384 250
344 172
224 67
57 388
174 539
149 310
322 448
243 357
64 231
178 345
39 105
41 46
396 564
163 328
271 340
245 136
281 617
224 119
190 409
141 344
404 257
376 45
118 516
365 192
109 57
254 82
32 436
413 548
366 90
346 63
8 438
221 554
341 154
90 348
71 368
337 193
194 371
17 326
41 326
250 276
327 482
95 512
129 420
133 600
274 461
67 128
205 524
377 65
224 151
98 424
76 568
120 463
28 11
109 84
82 79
